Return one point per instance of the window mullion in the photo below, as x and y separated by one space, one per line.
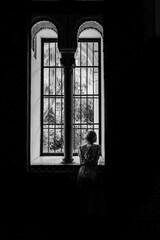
80 95
87 82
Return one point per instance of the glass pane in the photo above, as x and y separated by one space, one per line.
83 81
90 54
90 80
96 54
77 112
83 134
62 75
58 56
77 139
58 110
55 140
96 110
90 111
45 110
97 132
62 106
51 113
78 55
62 136
84 110
45 140
96 87
83 54
58 82
77 81
51 140
46 54
52 81
52 54
59 140
46 81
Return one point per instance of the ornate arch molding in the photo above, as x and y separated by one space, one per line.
37 27
90 25
86 24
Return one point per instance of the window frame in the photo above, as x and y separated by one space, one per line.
47 40
91 40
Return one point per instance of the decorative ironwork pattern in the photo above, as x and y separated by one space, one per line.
52 114
86 91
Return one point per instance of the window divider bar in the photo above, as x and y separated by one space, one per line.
49 98
87 82
93 84
80 92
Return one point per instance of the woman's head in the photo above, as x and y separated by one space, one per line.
91 136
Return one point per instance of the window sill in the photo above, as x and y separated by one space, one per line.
55 164
54 160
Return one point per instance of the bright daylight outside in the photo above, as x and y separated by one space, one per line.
85 94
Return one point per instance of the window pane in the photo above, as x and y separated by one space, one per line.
62 113
58 82
83 81
84 110
62 74
46 81
45 140
58 56
51 140
78 55
46 54
55 140
97 132
96 54
90 80
77 139
96 110
83 134
90 111
83 54
52 54
45 110
77 81
96 87
90 54
76 111
52 112
52 81
58 110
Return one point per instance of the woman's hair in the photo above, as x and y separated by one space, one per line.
91 136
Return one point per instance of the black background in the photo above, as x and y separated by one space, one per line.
37 203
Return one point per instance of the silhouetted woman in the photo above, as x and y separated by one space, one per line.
89 154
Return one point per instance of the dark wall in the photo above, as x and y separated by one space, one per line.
47 202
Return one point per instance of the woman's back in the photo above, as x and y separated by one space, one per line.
89 154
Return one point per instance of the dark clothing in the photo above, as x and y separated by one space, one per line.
89 155
86 179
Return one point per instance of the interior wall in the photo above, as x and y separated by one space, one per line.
46 202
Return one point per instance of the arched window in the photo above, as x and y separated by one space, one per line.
89 84
47 92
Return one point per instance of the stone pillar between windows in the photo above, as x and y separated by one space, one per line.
68 62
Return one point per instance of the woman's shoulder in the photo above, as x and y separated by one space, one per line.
83 146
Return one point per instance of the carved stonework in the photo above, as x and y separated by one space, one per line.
37 27
68 60
90 25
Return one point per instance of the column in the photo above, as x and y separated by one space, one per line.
67 62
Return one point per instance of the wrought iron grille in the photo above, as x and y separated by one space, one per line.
86 95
